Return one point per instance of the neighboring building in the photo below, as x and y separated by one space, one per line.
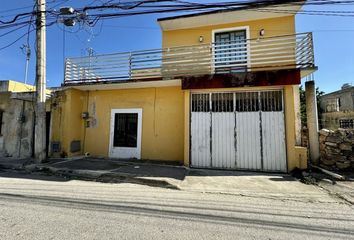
17 105
16 119
338 108
15 86
221 93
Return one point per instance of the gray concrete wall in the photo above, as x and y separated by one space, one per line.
4 86
346 97
17 125
330 120
4 103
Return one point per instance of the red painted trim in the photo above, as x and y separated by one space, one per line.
258 78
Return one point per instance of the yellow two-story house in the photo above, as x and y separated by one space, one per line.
221 93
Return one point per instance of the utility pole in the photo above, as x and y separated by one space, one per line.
312 121
40 119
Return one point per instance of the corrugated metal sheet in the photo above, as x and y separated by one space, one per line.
248 141
200 129
223 140
241 130
273 132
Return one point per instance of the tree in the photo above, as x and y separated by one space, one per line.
303 105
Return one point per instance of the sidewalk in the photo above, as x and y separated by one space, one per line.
249 184
112 171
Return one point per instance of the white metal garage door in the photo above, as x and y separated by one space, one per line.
239 130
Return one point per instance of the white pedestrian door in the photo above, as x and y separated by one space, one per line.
240 130
125 133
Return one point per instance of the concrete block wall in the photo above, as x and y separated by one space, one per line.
17 126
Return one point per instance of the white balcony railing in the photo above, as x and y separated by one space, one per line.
280 52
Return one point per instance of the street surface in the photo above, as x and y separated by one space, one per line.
44 207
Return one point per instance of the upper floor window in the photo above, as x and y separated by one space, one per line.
230 51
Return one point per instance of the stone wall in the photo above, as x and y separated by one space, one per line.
336 149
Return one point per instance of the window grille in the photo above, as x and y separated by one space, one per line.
346 123
200 103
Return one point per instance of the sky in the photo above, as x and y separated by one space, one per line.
333 42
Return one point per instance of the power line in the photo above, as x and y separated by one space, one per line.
272 30
219 6
22 36
16 18
18 39
160 6
14 25
312 12
15 9
13 30
184 6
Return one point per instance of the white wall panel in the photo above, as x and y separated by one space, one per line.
273 138
248 141
200 139
255 118
223 140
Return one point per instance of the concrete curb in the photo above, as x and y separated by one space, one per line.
104 176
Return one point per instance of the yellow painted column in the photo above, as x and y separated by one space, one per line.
186 127
296 155
72 127
290 126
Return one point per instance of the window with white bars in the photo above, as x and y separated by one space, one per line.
271 101
200 103
265 101
222 102
231 51
247 102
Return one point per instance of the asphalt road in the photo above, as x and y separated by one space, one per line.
37 207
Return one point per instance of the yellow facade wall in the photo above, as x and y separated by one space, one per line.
187 110
20 87
162 120
190 36
166 113
165 121
295 154
272 27
15 86
66 122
